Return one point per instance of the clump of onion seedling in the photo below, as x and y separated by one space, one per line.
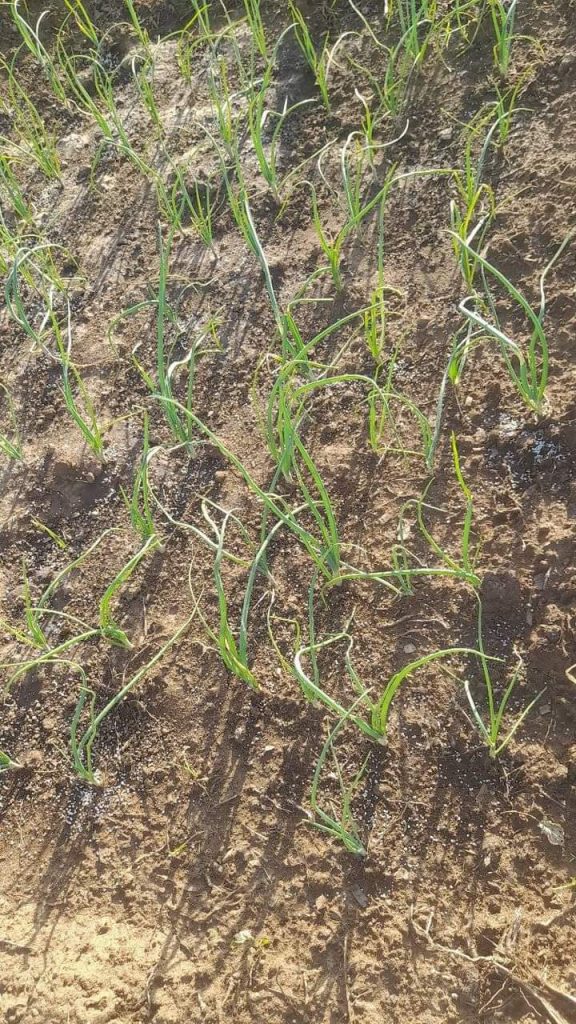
83 413
34 635
139 502
527 365
338 825
81 743
490 722
34 138
503 15
233 657
317 60
375 720
31 38
462 567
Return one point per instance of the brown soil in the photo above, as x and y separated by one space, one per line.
189 886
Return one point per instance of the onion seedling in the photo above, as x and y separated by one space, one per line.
144 80
412 15
84 415
503 14
198 200
141 33
31 39
35 267
106 114
106 621
318 61
11 195
233 656
221 100
35 636
139 502
30 125
331 245
257 32
492 731
81 745
58 540
375 726
343 827
257 116
10 445
528 368
273 504
189 41
83 21
315 693
464 567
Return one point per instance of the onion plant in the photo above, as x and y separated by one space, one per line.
105 618
340 826
82 741
464 566
10 444
257 117
317 60
503 15
141 32
83 21
82 412
12 198
143 75
374 722
29 125
168 368
490 722
34 634
528 366
139 502
253 12
31 39
275 505
234 657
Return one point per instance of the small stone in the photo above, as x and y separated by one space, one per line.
359 895
554 833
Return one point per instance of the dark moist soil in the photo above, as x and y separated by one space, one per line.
189 885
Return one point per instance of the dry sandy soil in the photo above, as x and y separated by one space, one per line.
189 885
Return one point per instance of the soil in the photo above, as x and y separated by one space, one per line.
189 885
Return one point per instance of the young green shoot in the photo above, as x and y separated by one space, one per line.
490 723
342 826
83 414
8 763
81 744
318 61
